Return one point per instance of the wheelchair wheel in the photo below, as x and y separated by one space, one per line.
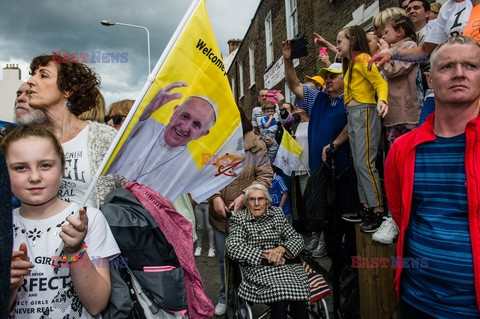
243 310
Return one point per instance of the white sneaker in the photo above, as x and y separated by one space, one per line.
220 309
198 251
320 250
243 313
387 231
312 244
211 252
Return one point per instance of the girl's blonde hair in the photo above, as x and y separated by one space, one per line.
382 19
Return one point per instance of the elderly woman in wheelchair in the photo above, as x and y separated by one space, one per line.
262 238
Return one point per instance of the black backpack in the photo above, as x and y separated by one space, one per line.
146 278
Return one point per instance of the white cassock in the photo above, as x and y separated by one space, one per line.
170 171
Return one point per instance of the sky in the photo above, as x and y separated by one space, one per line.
29 28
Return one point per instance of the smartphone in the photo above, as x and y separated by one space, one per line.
273 92
322 51
299 47
271 96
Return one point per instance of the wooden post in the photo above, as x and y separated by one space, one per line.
375 277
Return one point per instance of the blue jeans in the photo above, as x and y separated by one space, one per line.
220 238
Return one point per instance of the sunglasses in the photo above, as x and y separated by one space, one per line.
117 118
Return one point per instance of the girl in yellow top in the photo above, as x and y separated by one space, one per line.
361 88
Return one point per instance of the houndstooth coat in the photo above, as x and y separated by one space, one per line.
248 237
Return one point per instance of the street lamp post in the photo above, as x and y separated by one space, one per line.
110 23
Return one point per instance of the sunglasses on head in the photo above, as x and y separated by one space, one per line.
117 118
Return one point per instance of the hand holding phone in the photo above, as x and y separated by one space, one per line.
322 51
299 47
271 96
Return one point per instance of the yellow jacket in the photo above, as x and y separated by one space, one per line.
364 83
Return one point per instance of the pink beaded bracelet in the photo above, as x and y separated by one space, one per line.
75 258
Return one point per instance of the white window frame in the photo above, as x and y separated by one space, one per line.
269 39
363 14
291 17
240 77
232 84
289 95
251 64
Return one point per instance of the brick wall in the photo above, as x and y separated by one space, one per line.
313 15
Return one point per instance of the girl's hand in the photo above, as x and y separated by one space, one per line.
74 234
383 45
325 59
382 108
319 40
379 58
20 267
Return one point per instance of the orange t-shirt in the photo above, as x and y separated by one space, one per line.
472 29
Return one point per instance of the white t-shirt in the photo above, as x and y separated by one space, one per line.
451 20
422 33
48 291
301 136
77 175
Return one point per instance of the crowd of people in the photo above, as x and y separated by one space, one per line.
394 113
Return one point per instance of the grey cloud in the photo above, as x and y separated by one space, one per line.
32 27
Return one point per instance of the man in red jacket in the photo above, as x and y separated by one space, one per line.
432 184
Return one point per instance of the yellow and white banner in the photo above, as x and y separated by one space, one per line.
288 153
185 135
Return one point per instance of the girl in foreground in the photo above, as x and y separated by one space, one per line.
76 284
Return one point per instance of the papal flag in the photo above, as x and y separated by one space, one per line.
183 135
288 153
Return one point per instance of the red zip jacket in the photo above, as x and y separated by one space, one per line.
399 170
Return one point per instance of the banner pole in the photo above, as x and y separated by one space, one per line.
142 94
151 77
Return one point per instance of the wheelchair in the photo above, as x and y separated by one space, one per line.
242 309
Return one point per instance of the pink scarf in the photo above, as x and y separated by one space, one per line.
178 232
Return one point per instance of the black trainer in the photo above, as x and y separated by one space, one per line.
371 223
356 216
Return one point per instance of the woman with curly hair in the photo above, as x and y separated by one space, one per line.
64 91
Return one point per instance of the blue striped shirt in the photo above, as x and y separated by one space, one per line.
438 232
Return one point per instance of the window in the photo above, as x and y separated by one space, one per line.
289 95
269 38
232 84
291 18
251 60
240 79
363 16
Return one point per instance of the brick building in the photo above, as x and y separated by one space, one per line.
258 63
